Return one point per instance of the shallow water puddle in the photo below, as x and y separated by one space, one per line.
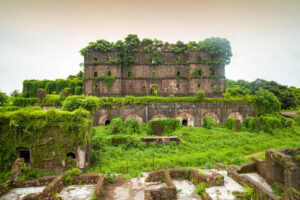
131 189
186 190
77 192
224 192
19 193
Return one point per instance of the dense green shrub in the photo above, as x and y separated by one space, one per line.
200 188
268 102
78 90
233 123
251 124
23 102
131 126
9 108
89 103
73 172
51 100
200 95
167 125
28 174
208 122
116 126
3 98
297 120
268 124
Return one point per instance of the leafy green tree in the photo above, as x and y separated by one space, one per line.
15 93
267 101
3 98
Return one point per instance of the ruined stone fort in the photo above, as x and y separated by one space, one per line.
160 70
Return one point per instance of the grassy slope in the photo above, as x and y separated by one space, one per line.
199 147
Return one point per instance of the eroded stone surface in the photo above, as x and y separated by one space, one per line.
223 192
77 192
187 190
19 193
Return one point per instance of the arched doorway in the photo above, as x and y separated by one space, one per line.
154 91
184 122
107 122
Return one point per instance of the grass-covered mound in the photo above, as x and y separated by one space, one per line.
199 147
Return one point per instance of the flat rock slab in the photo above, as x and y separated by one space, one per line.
77 192
187 190
130 189
223 192
256 177
19 193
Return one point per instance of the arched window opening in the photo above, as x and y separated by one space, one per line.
154 91
24 153
199 73
178 74
184 122
107 122
108 59
198 85
71 155
178 58
177 85
129 74
95 74
144 91
108 73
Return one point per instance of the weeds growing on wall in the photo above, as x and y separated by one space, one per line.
25 127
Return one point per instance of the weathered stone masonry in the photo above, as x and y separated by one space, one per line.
170 77
190 113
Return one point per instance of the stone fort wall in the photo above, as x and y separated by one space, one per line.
170 77
190 114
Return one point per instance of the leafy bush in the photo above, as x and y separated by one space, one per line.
28 174
268 102
89 103
116 126
297 120
131 126
251 123
208 122
233 123
9 108
200 95
110 176
51 100
3 98
200 188
74 172
167 125
268 124
23 102
78 90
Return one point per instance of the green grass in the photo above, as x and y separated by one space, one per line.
199 147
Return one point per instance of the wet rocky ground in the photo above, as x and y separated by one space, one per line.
134 189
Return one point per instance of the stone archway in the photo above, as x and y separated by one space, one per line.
236 115
102 120
134 116
212 115
158 116
186 119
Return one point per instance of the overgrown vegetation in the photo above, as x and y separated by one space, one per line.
199 147
289 97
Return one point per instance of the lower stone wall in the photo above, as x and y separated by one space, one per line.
261 192
193 113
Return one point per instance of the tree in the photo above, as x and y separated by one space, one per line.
15 93
3 98
267 102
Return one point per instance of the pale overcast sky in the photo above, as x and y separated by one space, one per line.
41 39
